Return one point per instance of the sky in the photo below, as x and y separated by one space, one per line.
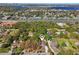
39 1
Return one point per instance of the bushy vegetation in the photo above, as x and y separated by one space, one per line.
28 33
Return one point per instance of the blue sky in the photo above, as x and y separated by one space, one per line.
39 1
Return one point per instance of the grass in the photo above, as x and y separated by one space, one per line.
4 50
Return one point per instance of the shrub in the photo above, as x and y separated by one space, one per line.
18 50
5 45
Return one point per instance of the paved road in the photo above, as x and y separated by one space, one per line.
53 20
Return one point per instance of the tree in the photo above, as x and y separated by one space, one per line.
23 36
9 40
15 32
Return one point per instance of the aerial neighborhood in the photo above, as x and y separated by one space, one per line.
38 31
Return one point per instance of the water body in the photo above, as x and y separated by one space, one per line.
62 8
66 8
